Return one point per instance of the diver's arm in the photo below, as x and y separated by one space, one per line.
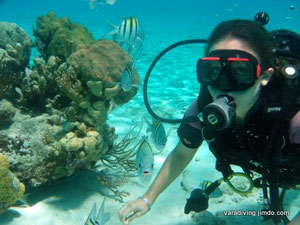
175 163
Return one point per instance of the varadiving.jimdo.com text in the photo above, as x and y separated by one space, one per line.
256 213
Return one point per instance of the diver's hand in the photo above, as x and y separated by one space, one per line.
266 76
132 210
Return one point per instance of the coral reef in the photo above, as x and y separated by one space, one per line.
89 78
10 187
7 111
58 110
59 36
38 87
45 148
15 46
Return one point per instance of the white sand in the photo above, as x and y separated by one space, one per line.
69 202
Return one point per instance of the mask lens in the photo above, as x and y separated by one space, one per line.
243 72
209 70
228 70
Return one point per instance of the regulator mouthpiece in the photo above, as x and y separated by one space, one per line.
219 114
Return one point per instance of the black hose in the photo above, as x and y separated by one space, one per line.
152 113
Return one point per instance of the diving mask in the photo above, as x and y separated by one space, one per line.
228 70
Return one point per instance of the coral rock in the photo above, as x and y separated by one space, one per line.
101 66
60 37
10 187
7 111
16 42
111 92
96 87
74 144
15 46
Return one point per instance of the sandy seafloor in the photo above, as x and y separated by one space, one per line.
172 87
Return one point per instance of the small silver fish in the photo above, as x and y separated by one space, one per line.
110 2
93 3
158 133
215 194
144 161
127 78
100 219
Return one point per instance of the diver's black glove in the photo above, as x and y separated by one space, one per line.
197 202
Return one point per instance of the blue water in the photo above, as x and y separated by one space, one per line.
173 84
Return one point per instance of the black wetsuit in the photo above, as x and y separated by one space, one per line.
246 145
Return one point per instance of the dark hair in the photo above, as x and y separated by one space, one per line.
251 32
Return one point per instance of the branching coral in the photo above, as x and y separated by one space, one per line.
112 180
122 154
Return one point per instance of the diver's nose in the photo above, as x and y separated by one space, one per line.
224 82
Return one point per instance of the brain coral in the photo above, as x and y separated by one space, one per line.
104 61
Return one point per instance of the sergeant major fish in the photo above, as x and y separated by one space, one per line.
101 218
127 78
144 161
215 194
158 133
128 32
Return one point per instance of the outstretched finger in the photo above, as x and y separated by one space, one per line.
135 215
123 212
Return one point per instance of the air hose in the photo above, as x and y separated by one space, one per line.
145 86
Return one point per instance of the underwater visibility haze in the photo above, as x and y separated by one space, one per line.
76 140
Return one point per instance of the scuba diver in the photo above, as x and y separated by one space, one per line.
248 111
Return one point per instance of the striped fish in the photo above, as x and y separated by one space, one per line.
158 133
215 194
127 78
128 32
